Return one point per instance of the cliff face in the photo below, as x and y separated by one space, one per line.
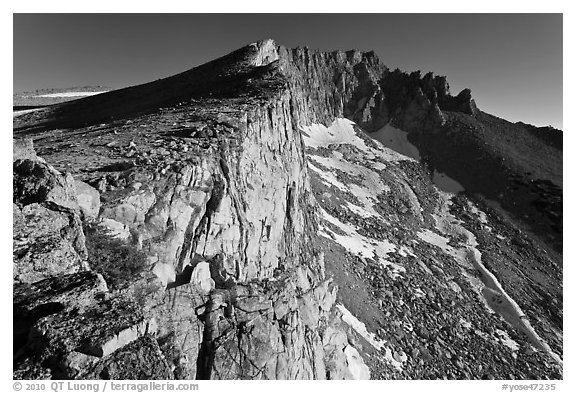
200 181
216 195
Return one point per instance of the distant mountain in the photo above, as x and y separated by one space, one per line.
249 219
44 97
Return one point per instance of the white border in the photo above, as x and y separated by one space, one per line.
307 6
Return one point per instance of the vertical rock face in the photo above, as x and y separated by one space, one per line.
266 52
224 213
336 84
205 173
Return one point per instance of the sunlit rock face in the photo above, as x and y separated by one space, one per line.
225 216
241 197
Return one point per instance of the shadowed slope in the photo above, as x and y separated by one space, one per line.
243 72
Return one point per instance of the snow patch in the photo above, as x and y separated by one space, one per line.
356 365
397 140
405 251
69 94
24 111
371 338
371 184
446 183
360 162
358 210
481 215
328 177
360 328
357 243
487 284
433 238
342 131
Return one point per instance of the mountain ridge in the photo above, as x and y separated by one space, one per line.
211 175
420 105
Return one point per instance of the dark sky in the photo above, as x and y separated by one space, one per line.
512 62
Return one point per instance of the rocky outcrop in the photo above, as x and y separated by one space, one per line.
140 359
205 174
70 325
88 200
418 102
47 231
66 323
23 149
226 219
336 84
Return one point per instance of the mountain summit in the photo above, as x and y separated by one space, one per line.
246 219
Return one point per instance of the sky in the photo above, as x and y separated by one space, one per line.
511 62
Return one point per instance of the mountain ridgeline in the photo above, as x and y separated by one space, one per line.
501 161
236 198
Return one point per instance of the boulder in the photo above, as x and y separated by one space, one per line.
44 244
23 149
201 278
165 273
115 228
88 199
106 325
141 359
38 182
77 290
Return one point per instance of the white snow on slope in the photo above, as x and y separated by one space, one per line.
360 328
397 140
489 288
481 215
24 111
371 338
356 365
357 244
328 177
355 163
354 170
435 239
446 183
370 186
358 210
360 163
69 94
340 132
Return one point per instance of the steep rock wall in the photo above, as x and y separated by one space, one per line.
220 203
205 173
245 207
